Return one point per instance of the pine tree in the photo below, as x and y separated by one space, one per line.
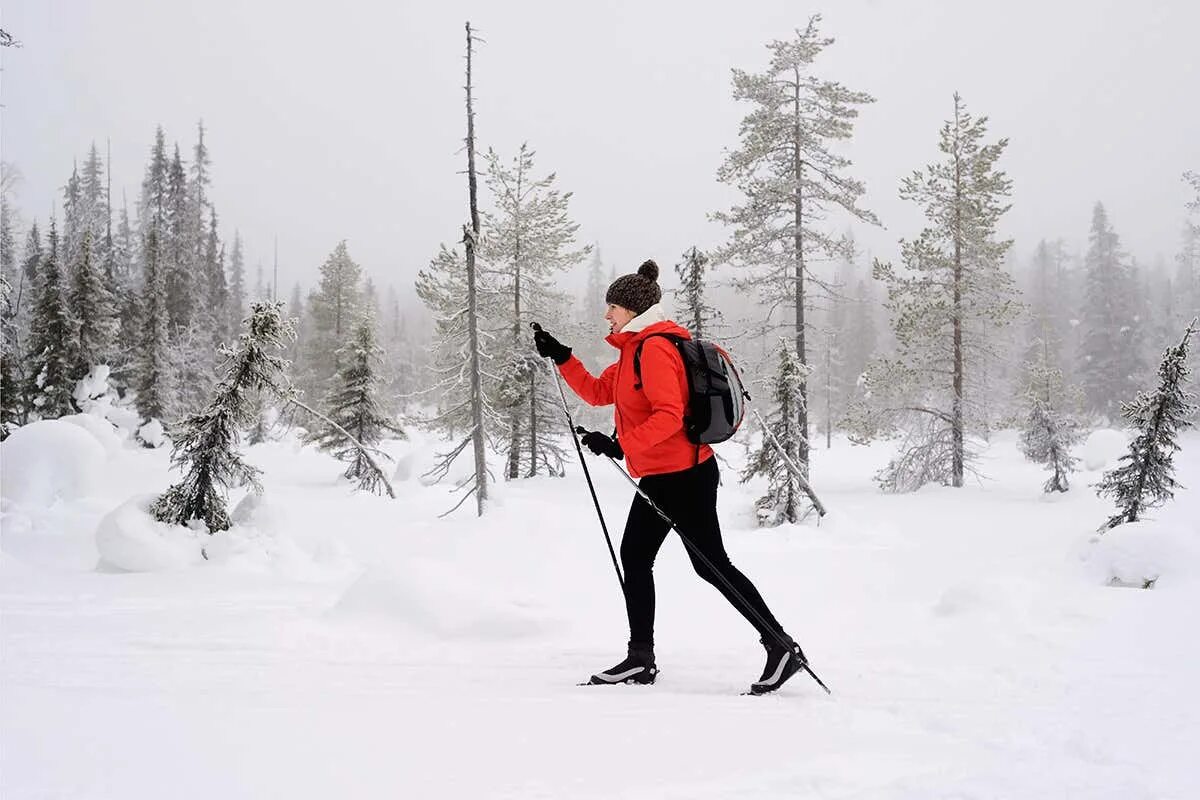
126 276
1048 292
155 378
1145 477
93 313
442 287
785 496
355 406
1049 432
10 393
699 317
50 340
206 442
332 309
1109 367
531 240
216 308
792 179
237 282
95 215
592 349
295 312
73 219
8 226
178 249
948 308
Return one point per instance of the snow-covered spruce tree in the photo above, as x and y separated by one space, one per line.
8 225
127 278
1047 296
50 339
1108 367
792 179
699 317
178 248
785 498
589 321
530 241
93 313
1186 286
442 288
10 393
155 378
948 306
205 444
237 283
355 406
1145 477
1050 431
332 309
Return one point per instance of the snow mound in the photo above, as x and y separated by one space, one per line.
404 466
152 434
131 540
1138 553
255 544
95 396
50 460
437 601
1102 448
100 428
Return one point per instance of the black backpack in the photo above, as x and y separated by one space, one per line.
716 395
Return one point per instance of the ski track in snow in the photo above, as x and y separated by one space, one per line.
970 652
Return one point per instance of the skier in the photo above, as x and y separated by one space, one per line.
679 476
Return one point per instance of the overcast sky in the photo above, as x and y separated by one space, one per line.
345 120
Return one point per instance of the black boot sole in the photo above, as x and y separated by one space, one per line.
641 679
791 668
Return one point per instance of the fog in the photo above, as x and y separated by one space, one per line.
332 121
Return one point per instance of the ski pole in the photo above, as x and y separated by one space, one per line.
791 465
778 635
586 474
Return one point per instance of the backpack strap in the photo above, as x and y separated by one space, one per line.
637 355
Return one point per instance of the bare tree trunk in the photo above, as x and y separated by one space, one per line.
802 415
956 474
828 391
533 420
471 239
514 443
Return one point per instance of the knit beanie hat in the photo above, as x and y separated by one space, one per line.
638 291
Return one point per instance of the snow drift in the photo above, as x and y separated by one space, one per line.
50 460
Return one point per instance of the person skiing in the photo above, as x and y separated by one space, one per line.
679 476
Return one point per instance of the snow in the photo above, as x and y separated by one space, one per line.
152 434
129 539
341 644
1136 553
1103 448
97 398
50 460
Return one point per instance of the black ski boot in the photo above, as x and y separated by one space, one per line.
638 667
782 663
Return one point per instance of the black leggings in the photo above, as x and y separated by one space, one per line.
689 498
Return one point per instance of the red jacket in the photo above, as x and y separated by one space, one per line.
650 419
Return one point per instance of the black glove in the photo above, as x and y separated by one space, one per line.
602 445
549 347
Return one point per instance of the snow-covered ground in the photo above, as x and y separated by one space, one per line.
342 645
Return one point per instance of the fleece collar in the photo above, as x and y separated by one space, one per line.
644 320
